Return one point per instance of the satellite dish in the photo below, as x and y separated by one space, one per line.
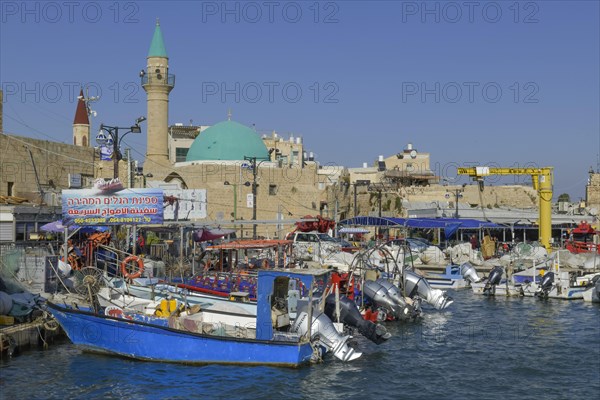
413 154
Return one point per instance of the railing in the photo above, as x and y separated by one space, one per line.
582 247
158 79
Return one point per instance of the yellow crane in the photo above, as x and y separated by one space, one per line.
542 183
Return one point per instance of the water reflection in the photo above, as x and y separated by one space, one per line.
480 348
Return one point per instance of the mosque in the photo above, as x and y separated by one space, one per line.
226 162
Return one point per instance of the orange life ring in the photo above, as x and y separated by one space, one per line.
140 269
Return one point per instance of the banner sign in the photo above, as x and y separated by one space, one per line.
190 204
106 153
107 207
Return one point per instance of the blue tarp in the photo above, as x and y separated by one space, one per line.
450 225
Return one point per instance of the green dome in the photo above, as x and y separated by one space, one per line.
227 140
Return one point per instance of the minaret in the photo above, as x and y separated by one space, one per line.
158 83
81 124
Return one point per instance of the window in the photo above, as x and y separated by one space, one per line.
84 144
272 190
23 230
10 189
180 154
302 237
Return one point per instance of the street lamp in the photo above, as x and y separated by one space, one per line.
254 185
113 132
458 193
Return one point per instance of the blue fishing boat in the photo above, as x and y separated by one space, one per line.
281 335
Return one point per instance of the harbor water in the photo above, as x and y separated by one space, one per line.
480 348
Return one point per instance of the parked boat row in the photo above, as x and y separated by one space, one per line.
264 310
543 281
251 297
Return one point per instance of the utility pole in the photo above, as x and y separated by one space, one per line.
254 187
458 193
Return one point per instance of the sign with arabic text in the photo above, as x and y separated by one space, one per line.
112 207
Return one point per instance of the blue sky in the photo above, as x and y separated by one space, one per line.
500 83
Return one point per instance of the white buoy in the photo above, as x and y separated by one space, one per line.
64 268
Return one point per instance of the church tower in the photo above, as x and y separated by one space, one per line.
81 124
158 83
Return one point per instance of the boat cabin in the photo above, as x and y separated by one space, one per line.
280 293
251 254
583 239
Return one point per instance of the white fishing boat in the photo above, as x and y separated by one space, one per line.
454 277
152 289
559 283
495 285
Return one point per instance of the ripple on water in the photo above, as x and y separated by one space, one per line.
492 348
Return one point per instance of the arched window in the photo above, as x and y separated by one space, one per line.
75 140
84 144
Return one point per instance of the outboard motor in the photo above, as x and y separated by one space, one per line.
350 315
409 309
325 334
417 284
545 285
469 273
380 296
493 279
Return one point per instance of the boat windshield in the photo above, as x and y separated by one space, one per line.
325 237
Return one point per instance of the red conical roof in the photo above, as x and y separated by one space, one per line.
81 115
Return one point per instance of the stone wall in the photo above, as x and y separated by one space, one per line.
292 191
492 196
53 162
368 202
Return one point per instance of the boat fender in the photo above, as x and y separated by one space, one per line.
140 267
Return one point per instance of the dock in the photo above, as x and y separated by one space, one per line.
19 337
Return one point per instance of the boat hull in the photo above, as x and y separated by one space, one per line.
145 341
568 293
500 290
592 295
438 282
